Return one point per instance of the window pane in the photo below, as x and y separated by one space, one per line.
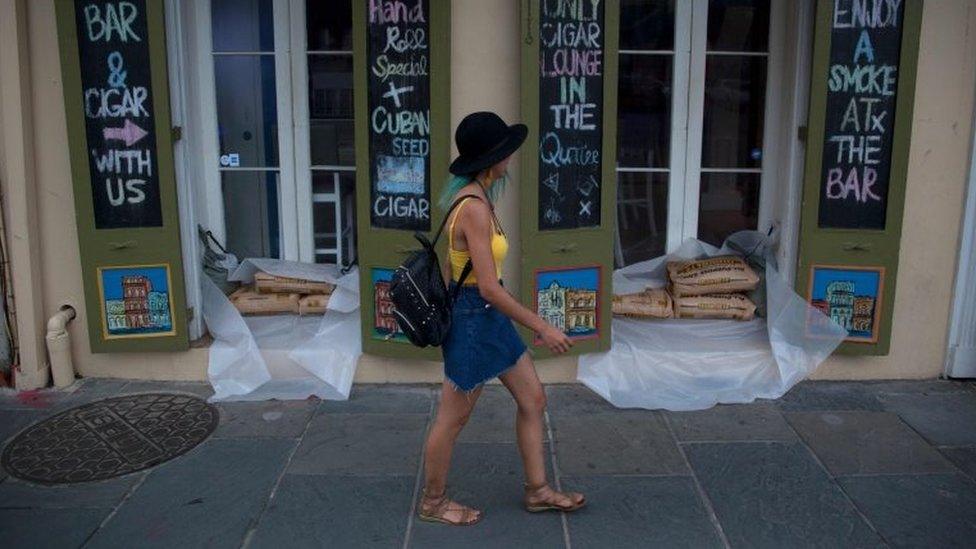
642 216
329 25
644 111
330 110
251 213
333 190
326 258
247 111
738 25
735 102
647 24
323 215
728 202
242 25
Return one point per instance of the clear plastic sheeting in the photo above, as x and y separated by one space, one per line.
284 356
680 364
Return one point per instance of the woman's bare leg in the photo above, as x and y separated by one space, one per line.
530 398
452 414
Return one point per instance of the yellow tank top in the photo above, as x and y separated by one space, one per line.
499 248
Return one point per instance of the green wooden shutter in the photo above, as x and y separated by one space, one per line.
856 165
391 204
116 96
568 182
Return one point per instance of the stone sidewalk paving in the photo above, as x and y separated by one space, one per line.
829 465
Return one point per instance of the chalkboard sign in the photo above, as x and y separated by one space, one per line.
571 37
113 77
398 82
862 84
113 52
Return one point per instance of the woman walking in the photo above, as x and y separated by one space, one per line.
483 343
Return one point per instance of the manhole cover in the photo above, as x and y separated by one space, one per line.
109 438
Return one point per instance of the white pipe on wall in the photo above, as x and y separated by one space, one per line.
59 346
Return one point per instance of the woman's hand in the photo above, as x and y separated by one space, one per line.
554 338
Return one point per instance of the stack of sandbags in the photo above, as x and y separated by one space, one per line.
712 288
651 303
313 304
249 301
273 295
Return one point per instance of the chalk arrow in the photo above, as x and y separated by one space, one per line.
129 132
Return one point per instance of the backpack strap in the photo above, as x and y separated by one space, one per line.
448 215
467 266
464 274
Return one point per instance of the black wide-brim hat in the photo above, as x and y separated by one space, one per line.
483 139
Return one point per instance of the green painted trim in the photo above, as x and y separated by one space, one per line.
594 245
827 246
153 245
387 247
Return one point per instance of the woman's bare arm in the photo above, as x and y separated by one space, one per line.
475 223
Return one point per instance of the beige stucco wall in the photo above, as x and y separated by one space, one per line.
485 75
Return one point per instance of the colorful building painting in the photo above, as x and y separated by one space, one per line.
136 301
384 322
850 296
568 299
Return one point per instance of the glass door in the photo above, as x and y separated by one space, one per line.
280 75
252 128
692 109
728 110
325 150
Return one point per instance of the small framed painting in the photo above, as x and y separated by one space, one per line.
136 301
569 299
850 296
384 323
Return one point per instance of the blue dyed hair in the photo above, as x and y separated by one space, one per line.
456 182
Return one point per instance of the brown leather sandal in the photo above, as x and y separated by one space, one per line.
436 508
536 504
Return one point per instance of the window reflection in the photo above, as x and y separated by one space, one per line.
642 216
735 99
333 215
251 213
332 136
247 110
738 25
644 103
644 111
734 116
242 25
728 202
647 24
328 25
330 109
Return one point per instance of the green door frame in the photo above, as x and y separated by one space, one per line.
380 248
128 247
858 247
567 248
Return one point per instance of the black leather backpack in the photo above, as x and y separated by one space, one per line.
421 302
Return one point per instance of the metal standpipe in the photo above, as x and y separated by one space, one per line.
59 346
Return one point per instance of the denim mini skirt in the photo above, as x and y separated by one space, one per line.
482 342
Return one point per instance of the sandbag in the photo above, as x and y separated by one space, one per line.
271 284
250 302
312 304
715 306
651 303
714 275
